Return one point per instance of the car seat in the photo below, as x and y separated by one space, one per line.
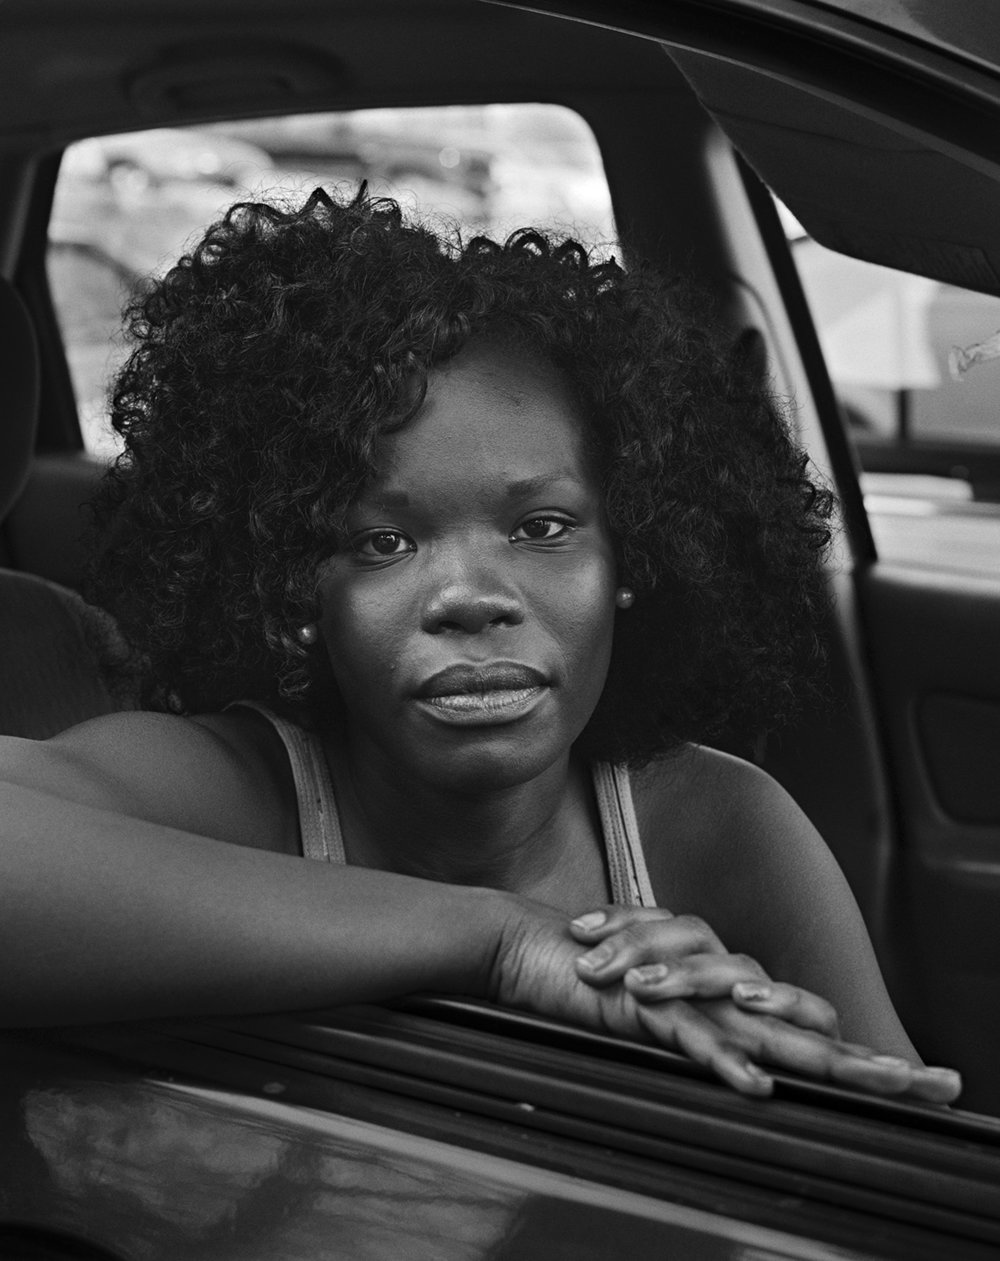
60 658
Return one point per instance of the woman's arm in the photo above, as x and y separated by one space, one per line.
120 898
108 916
104 917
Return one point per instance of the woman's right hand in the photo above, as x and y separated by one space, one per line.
668 980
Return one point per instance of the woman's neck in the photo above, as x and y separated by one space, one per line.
541 838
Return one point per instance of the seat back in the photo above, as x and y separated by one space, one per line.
61 660
19 390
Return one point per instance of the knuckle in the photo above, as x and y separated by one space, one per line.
698 929
722 1051
773 1030
627 918
632 936
820 1014
790 997
749 965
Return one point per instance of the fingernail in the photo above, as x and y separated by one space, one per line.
758 1074
751 992
593 919
597 957
945 1074
648 972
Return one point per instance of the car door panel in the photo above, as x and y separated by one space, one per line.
932 638
454 1130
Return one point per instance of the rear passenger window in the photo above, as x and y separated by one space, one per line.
916 367
127 206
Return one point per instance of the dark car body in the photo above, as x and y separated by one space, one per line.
445 1129
450 1130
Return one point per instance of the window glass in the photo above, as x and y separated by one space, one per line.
127 206
898 348
916 366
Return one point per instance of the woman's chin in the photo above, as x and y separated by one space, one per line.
477 767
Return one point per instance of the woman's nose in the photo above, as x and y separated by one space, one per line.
471 602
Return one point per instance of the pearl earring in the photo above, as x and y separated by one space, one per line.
308 634
624 597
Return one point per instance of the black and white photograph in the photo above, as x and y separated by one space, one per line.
499 630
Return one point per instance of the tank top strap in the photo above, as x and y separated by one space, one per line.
322 838
319 821
629 877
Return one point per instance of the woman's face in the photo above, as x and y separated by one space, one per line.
469 620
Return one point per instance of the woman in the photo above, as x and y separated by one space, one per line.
420 547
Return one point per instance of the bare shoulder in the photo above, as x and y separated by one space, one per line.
724 839
694 773
700 796
222 775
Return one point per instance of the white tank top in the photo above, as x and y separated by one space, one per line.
323 840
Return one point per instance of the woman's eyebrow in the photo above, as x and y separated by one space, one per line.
389 499
532 485
384 500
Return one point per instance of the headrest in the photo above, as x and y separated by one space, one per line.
18 395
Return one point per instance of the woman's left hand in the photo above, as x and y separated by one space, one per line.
658 958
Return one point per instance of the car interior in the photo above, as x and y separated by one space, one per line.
896 764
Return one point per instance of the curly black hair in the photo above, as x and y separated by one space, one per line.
270 361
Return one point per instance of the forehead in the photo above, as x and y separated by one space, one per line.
492 407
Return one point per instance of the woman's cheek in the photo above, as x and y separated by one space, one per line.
578 607
367 626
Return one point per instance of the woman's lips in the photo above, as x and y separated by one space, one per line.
482 694
485 676
498 705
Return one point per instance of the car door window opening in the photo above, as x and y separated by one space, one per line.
126 206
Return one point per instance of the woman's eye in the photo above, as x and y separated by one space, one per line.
380 544
541 530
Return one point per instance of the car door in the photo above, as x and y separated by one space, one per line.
444 1130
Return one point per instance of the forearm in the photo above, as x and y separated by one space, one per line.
104 918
